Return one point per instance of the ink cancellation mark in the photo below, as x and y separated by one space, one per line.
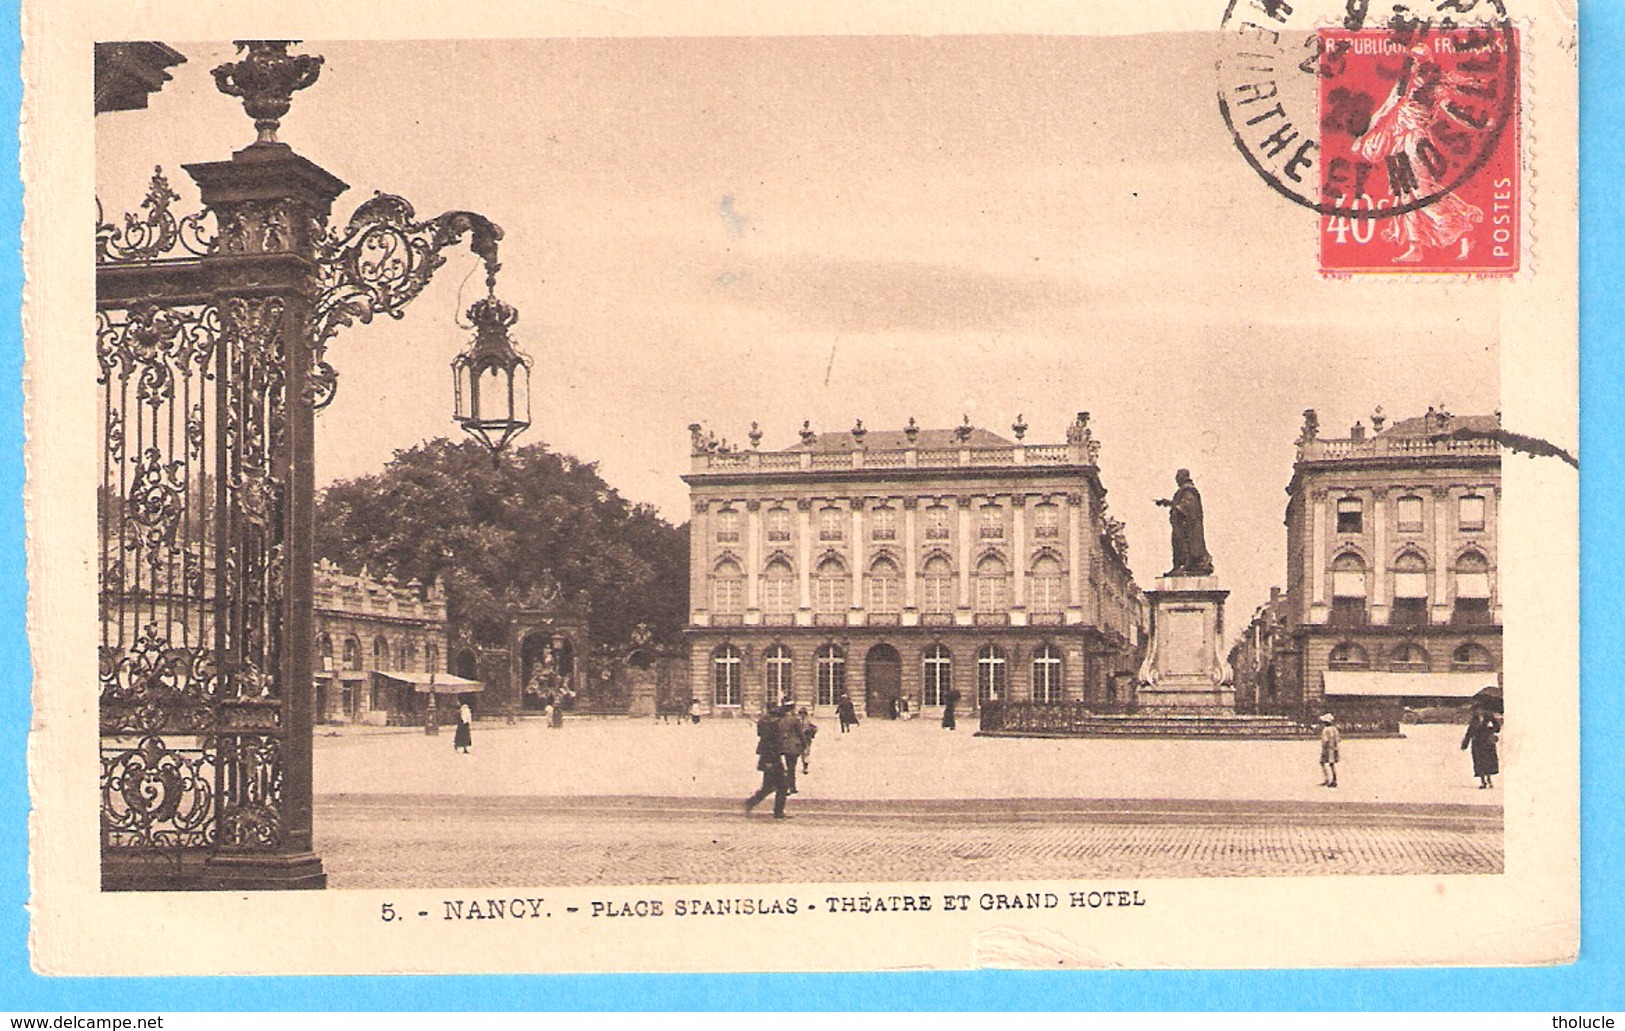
1402 136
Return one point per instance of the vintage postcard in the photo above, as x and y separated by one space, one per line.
754 488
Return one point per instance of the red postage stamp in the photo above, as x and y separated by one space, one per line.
1421 130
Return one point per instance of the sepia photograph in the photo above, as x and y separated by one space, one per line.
813 474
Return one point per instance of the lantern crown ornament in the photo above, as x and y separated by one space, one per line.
266 80
492 378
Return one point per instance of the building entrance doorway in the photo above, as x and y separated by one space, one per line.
882 681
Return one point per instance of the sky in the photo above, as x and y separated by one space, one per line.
722 230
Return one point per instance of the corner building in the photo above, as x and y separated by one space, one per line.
1392 558
895 565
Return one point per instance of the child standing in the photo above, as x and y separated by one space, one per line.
1329 740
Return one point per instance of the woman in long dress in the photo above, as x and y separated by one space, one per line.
1483 732
1398 127
464 738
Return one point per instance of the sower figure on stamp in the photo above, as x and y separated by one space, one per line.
1185 521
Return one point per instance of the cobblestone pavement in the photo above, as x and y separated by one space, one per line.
381 841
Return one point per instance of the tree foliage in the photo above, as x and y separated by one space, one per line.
496 535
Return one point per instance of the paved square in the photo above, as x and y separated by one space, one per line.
629 802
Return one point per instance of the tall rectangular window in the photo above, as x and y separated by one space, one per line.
778 524
1408 513
831 524
1350 515
936 523
883 524
728 526
1471 513
1046 520
992 522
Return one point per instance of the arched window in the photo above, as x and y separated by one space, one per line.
776 661
832 588
1472 589
991 583
778 524
409 656
1410 606
1408 514
1047 674
990 674
1348 590
324 650
779 589
1408 657
727 589
937 578
352 653
830 664
885 587
938 675
431 658
725 667
1348 655
1048 596
1472 657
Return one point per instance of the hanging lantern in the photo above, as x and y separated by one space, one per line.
492 378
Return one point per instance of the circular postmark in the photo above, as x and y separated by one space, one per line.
1363 116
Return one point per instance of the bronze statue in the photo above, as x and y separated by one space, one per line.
1185 520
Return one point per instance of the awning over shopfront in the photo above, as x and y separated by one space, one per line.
1374 684
439 683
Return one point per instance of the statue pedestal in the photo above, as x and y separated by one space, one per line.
1185 665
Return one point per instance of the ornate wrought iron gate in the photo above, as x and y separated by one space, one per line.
210 336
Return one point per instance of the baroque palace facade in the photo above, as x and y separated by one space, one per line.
1391 596
897 566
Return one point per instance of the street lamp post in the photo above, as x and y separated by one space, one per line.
211 352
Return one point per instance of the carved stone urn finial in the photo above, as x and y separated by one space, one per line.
962 431
912 430
1019 427
755 436
266 80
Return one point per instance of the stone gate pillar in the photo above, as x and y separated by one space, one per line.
271 204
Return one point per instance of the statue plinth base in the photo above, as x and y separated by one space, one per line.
1185 666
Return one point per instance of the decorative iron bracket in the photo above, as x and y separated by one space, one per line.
380 262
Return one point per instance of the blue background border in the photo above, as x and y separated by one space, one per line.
1593 983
